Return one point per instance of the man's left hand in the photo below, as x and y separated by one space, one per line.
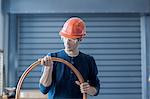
86 88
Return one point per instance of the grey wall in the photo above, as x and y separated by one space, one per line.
147 29
145 51
1 27
78 6
145 54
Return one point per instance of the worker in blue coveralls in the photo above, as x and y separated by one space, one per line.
57 79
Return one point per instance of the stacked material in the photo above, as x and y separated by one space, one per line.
1 73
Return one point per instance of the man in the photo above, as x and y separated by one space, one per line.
57 79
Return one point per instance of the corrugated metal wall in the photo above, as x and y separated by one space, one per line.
114 41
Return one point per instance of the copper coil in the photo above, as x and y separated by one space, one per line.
29 69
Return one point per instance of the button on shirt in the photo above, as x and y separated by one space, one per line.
63 85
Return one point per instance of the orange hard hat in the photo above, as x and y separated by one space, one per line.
73 28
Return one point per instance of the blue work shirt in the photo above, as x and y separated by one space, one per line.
63 84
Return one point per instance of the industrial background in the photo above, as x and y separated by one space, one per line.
118 37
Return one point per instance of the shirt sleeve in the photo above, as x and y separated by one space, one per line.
93 79
44 89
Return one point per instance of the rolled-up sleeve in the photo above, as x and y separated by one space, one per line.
43 88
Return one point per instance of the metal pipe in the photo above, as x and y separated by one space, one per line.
28 70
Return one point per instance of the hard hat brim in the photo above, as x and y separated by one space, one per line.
70 36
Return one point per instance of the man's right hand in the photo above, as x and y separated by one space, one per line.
46 78
47 61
